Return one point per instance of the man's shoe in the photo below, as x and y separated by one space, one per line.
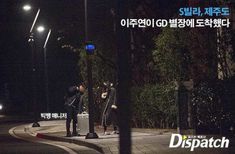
68 134
106 133
114 132
75 134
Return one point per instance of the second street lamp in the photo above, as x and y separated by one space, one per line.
40 29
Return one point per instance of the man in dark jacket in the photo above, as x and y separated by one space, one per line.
73 106
109 115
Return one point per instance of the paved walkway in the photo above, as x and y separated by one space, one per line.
144 141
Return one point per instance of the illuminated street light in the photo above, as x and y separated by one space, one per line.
27 7
34 69
1 106
40 29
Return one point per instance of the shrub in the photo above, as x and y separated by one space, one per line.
154 106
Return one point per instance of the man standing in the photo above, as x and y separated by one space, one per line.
109 115
73 106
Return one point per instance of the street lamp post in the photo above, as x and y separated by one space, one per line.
89 49
34 69
45 70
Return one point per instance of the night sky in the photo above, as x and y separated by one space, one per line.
65 18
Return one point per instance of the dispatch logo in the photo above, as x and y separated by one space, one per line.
192 142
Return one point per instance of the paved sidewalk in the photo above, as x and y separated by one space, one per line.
144 141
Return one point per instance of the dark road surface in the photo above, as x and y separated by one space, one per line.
11 145
31 144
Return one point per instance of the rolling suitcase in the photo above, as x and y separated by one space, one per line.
83 123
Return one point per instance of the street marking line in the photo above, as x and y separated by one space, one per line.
12 133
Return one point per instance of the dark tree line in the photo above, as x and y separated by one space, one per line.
158 58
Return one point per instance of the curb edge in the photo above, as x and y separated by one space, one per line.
98 148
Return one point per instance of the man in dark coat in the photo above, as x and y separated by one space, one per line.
109 115
73 106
